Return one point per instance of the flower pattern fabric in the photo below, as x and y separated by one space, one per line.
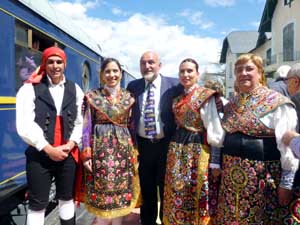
112 189
249 182
248 192
187 196
242 113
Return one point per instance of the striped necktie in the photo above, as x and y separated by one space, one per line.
149 113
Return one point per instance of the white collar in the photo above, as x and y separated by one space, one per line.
156 82
189 90
62 82
112 90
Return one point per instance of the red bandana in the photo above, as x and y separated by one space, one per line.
38 74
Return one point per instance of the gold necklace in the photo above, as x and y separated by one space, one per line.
242 103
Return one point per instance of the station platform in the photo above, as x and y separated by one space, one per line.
18 217
85 218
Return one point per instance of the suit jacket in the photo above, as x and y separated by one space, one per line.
296 99
280 86
170 88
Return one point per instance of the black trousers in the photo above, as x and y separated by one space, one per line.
40 171
152 168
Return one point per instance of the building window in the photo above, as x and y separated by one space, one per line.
269 57
288 2
288 42
230 70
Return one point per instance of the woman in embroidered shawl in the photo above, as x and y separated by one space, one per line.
257 169
110 159
189 195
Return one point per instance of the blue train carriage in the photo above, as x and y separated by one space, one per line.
126 78
26 30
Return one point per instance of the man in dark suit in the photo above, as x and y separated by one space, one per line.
153 140
280 83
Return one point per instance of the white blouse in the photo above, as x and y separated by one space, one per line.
283 119
212 123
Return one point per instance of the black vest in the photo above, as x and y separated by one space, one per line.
45 111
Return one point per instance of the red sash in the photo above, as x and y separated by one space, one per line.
58 140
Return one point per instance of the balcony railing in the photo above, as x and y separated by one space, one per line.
281 58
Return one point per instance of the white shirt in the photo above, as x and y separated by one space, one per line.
28 129
211 120
159 124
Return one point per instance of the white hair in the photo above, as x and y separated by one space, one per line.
294 71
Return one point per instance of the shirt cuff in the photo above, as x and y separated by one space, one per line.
41 145
214 166
287 179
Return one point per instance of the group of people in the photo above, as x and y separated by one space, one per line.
162 139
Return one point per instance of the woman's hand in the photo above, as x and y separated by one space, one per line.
284 196
216 172
288 136
88 165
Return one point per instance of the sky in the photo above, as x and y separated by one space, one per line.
175 29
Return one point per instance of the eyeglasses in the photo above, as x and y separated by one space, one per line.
288 78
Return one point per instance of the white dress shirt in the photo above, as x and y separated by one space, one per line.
28 129
159 124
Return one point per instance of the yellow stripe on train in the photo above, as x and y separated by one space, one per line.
13 177
7 100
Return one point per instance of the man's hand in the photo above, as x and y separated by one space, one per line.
67 147
56 153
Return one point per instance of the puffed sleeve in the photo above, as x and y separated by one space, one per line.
283 119
212 123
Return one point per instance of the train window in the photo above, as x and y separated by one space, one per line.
29 45
27 61
86 77
21 36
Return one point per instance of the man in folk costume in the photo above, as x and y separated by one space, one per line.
49 120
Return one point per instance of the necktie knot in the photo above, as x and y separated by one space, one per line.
150 86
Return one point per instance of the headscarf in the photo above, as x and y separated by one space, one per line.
40 72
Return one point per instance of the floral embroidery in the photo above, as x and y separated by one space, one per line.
186 108
113 187
190 193
252 107
248 192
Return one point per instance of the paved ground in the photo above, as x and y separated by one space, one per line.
82 217
85 218
18 217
